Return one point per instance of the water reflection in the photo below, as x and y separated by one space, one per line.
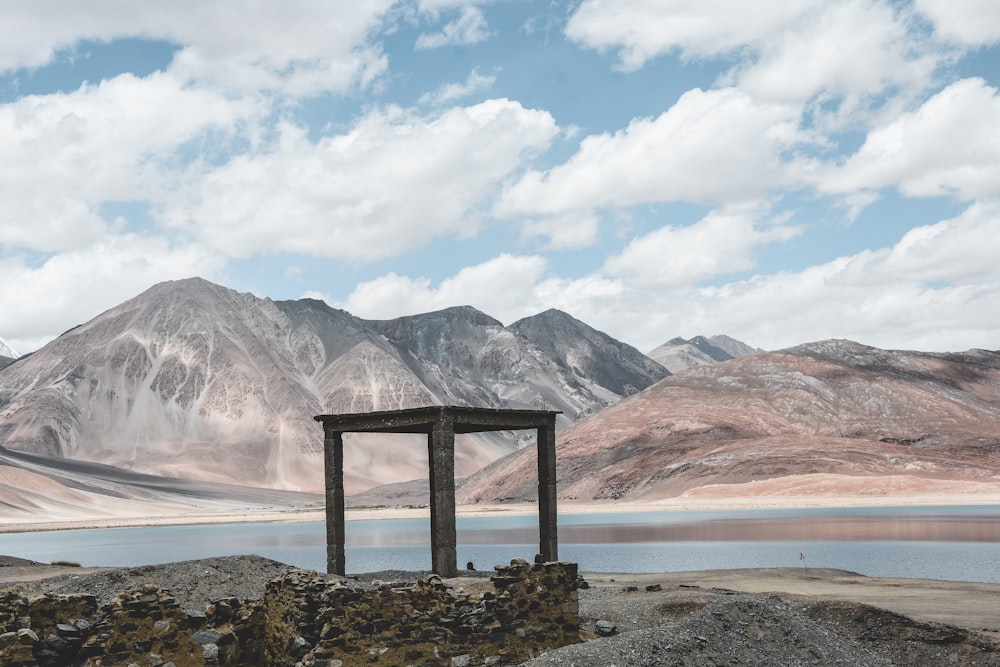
957 526
952 528
958 543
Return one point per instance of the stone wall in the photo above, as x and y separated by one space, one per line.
304 619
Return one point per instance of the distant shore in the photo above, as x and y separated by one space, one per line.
303 514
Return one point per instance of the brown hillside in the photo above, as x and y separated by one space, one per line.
827 417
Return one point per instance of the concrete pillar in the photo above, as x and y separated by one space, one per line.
548 539
333 455
441 464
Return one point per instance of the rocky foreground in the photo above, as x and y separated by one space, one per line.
668 619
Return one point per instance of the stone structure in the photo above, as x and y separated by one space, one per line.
440 424
304 619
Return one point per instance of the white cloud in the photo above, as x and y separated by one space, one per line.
393 183
450 92
723 242
435 7
844 54
935 289
970 22
563 231
298 46
507 287
848 52
69 288
469 28
716 146
479 286
950 146
66 153
963 250
645 29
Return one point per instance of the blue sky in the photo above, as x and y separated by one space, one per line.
778 171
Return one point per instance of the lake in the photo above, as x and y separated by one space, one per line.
958 543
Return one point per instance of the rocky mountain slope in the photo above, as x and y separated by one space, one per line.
193 380
679 354
596 359
833 417
7 353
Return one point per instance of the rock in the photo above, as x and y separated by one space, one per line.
205 637
606 628
27 633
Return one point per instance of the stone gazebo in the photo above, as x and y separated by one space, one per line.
440 424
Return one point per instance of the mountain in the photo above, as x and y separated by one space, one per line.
468 358
596 359
823 418
193 380
678 354
7 353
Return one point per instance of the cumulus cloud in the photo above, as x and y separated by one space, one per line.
67 153
813 59
562 231
784 51
968 22
393 183
950 146
723 242
40 300
932 290
469 28
507 287
962 250
393 295
715 146
450 92
644 29
297 47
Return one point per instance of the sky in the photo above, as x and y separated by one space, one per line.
779 171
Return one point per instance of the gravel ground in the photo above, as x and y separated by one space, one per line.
193 583
674 625
693 627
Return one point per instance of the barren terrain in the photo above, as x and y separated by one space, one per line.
831 418
749 617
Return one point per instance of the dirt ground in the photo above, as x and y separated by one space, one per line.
750 617
974 606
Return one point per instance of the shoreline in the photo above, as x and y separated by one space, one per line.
566 508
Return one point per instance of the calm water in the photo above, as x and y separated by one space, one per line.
955 543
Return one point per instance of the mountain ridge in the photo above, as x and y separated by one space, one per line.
813 418
191 379
679 354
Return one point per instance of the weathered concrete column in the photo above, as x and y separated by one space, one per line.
548 534
333 455
441 462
